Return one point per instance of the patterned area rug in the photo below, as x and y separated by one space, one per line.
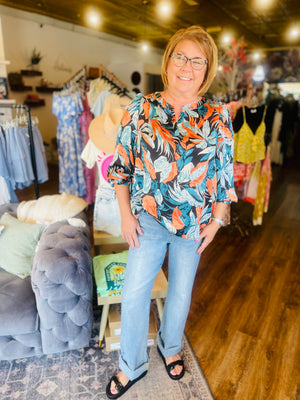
83 375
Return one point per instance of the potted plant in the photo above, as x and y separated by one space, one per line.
35 58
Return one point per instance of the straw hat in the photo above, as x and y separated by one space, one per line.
103 129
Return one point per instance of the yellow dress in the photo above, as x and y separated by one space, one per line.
249 146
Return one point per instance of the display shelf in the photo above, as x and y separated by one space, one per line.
47 89
20 88
31 72
34 103
7 101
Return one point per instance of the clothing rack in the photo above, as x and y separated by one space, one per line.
245 93
31 142
105 74
76 77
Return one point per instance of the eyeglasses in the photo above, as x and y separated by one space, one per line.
180 60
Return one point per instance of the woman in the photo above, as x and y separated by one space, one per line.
172 172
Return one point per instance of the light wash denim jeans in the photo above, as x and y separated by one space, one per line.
107 216
143 264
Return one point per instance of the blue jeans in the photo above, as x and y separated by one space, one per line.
143 264
107 216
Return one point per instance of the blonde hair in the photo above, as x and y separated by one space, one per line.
198 35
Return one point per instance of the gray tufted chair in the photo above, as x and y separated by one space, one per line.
50 311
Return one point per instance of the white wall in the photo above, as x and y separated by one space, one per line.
124 73
65 49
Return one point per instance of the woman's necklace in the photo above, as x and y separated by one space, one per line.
175 103
177 106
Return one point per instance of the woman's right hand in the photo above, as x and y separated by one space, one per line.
130 228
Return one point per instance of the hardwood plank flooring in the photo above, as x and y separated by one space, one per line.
244 322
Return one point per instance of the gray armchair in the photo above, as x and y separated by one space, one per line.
51 310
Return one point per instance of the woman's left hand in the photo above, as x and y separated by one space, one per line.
207 235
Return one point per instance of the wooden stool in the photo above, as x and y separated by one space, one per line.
159 290
104 243
101 238
158 293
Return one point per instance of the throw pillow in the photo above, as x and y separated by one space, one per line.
50 208
17 245
109 271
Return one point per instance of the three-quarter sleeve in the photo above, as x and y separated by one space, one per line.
121 169
224 159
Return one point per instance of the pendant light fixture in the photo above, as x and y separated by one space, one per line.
144 44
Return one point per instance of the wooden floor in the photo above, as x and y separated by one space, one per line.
244 323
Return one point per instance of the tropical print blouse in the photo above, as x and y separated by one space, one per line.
177 170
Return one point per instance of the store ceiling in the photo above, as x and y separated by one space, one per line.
137 19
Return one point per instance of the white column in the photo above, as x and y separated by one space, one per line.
5 113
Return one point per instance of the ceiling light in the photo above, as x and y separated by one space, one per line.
256 55
164 9
145 47
226 38
92 17
293 32
263 4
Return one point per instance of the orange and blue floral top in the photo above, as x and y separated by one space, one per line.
177 169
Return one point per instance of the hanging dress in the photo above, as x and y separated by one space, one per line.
90 175
249 145
71 170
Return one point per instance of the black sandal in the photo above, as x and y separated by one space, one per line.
171 366
119 387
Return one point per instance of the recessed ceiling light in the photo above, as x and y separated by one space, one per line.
164 9
293 32
226 38
93 17
256 55
263 4
145 47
